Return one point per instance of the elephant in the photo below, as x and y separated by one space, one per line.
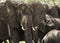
31 17
52 36
37 20
13 23
8 23
13 20
3 22
25 19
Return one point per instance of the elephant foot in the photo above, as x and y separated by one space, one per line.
13 41
5 42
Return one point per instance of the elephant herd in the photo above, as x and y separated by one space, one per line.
29 22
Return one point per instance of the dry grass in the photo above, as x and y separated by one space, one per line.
19 42
22 42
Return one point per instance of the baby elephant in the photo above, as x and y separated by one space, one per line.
52 37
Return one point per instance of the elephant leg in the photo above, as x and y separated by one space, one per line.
5 41
0 41
14 38
35 34
27 32
28 35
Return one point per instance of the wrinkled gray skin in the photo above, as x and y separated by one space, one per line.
51 18
29 16
12 23
38 18
3 22
54 13
52 36
25 20
37 15
8 23
52 22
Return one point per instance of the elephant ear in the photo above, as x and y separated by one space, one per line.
3 22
